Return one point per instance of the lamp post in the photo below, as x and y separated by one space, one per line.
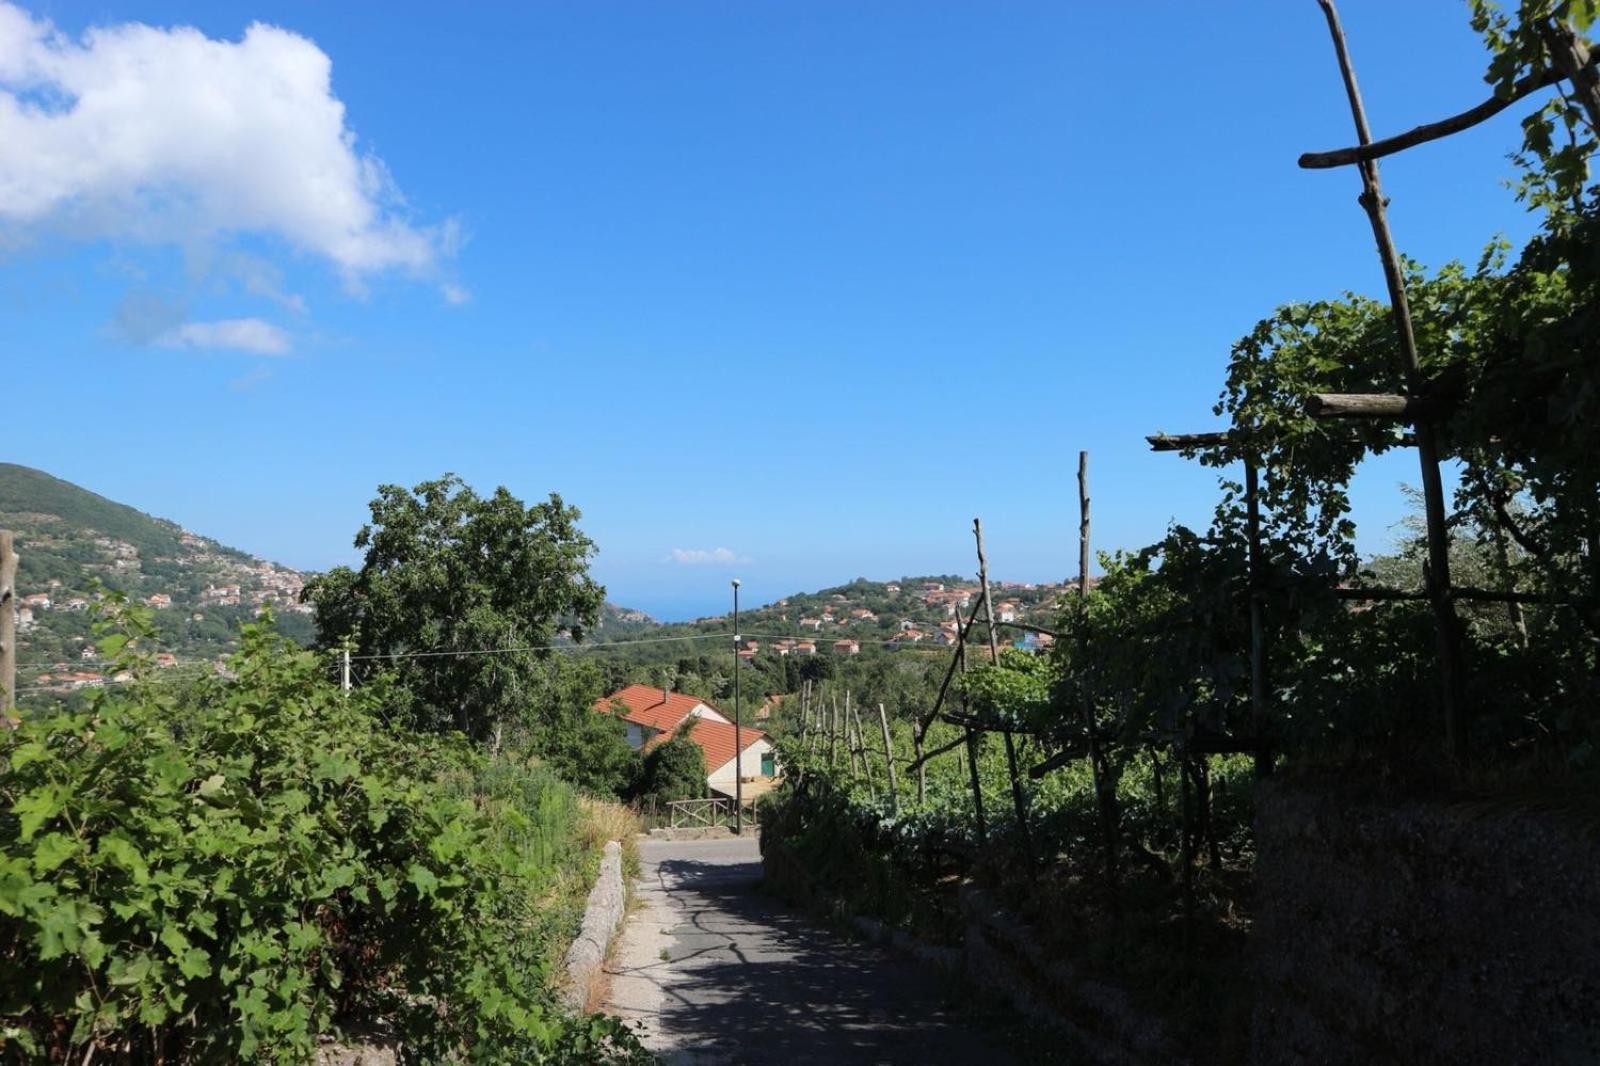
738 737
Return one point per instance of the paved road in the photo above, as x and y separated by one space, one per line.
714 972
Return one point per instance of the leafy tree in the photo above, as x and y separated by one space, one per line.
675 769
459 599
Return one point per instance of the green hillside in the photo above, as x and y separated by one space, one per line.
26 491
74 545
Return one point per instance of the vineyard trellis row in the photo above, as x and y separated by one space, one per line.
1419 408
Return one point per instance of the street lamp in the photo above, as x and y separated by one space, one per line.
738 737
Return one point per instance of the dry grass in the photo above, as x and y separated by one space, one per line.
603 820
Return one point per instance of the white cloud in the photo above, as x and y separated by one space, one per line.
239 334
167 135
454 295
705 556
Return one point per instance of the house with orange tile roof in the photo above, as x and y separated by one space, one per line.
653 715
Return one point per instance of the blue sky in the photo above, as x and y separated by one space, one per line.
811 283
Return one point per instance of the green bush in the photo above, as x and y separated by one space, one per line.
675 769
229 873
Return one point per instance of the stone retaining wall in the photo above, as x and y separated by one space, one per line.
602 917
1394 931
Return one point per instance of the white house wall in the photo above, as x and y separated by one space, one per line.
724 774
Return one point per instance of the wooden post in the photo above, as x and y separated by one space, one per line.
888 758
1448 635
1258 638
861 740
8 626
833 730
972 754
1184 774
344 669
805 715
849 741
1104 803
1019 800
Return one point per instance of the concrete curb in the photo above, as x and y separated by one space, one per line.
602 918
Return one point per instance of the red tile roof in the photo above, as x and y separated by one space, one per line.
650 707
715 739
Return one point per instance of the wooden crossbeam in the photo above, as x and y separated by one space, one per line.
1376 405
1432 131
1178 442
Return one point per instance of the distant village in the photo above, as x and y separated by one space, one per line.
903 615
234 581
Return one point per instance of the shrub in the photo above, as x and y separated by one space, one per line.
229 874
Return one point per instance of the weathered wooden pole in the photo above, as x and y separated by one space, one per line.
849 739
922 768
861 743
1448 635
833 730
888 757
1103 803
8 626
1258 638
972 753
1019 800
1187 837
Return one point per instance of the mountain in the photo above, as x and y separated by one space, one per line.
914 611
73 543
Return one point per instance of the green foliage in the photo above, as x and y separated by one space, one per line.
447 571
227 874
1557 138
675 769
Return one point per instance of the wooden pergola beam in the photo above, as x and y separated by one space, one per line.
1432 131
1380 406
1178 442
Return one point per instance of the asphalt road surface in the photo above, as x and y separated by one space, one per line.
712 971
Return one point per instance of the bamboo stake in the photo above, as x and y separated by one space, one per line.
1019 801
1448 635
888 758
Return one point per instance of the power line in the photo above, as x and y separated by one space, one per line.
540 647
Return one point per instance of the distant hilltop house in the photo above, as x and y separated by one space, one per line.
861 614
159 600
847 647
806 647
653 715
810 623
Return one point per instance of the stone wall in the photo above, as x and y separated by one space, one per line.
1423 932
602 917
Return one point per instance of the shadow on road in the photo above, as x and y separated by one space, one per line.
750 980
